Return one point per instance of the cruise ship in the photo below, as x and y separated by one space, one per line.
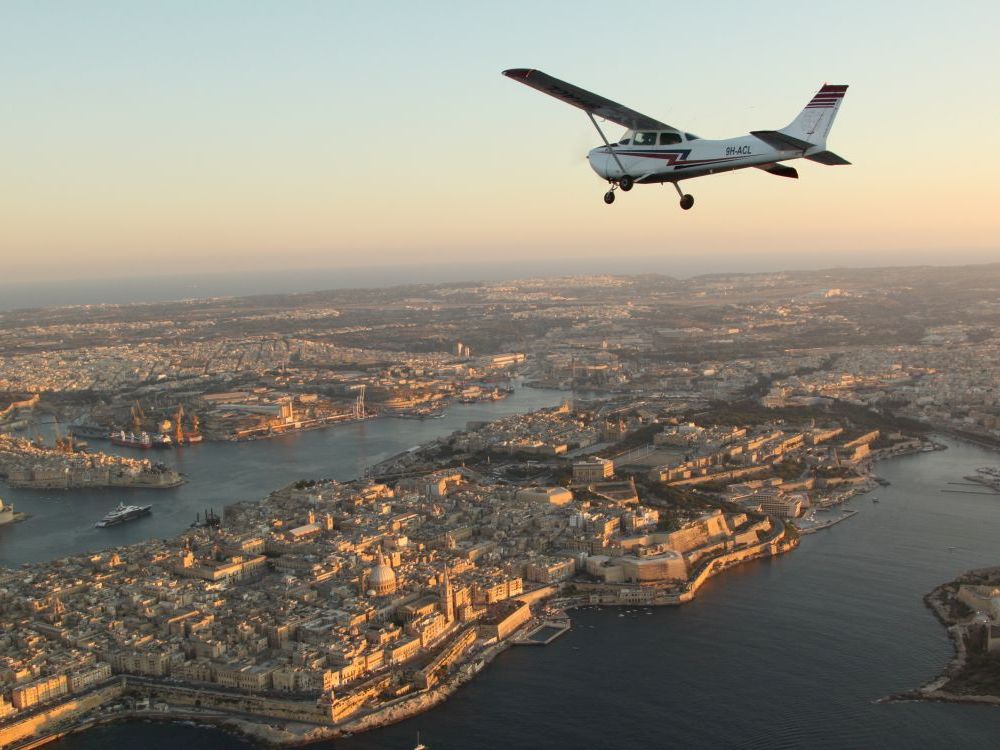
124 513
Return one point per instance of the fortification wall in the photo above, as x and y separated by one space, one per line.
45 720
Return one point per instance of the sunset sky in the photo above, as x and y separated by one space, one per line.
143 138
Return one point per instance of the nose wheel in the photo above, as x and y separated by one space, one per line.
687 200
626 183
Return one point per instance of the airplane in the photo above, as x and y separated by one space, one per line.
653 152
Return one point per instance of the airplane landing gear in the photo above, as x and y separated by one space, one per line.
626 183
687 200
609 197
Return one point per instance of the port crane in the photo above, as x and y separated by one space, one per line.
138 416
179 425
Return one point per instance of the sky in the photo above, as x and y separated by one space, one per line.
146 138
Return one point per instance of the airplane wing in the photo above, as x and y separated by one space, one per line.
588 102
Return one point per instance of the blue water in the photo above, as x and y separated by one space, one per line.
784 653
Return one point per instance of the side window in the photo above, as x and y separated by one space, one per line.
690 137
624 142
645 139
669 139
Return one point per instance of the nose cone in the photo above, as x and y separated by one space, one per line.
599 158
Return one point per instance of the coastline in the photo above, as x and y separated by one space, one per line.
938 601
44 484
259 729
405 707
932 690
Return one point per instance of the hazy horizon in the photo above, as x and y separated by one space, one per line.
173 287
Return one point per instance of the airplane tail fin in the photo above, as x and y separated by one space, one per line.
814 122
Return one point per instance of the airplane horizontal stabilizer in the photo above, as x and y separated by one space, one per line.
781 170
829 158
781 141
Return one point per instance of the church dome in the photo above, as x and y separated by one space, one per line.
382 578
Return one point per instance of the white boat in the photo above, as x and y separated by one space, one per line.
123 513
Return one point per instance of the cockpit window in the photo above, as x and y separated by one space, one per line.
669 139
624 141
691 137
645 139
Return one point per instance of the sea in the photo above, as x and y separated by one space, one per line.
792 652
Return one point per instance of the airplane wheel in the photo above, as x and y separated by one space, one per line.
687 201
609 197
626 183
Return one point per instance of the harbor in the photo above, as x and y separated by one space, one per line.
61 522
545 632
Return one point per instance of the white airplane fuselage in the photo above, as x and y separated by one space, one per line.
691 157
652 151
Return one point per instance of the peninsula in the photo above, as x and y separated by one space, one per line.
969 607
24 463
330 607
